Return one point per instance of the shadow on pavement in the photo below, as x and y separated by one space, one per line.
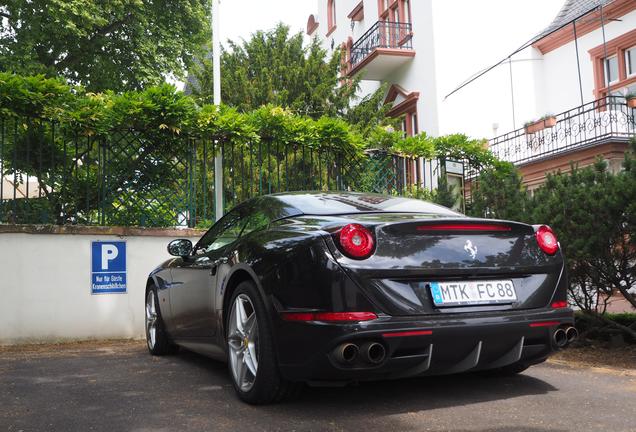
392 397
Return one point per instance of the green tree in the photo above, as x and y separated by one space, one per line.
499 193
116 45
592 212
274 67
445 194
370 112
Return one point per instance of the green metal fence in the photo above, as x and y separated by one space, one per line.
56 173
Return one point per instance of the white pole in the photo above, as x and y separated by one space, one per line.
216 76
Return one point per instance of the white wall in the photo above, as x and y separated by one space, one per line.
560 78
453 40
471 36
45 288
419 74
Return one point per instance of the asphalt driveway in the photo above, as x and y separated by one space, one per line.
119 387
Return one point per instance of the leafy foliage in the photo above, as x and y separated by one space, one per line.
499 193
63 132
593 213
115 45
273 67
445 194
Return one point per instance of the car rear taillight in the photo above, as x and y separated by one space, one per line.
547 240
559 304
356 241
329 316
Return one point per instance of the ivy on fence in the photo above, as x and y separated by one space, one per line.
146 158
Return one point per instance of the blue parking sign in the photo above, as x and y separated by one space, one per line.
108 267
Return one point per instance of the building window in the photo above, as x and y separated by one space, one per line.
407 11
611 69
630 61
615 65
331 16
409 125
394 10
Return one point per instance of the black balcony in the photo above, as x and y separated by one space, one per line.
391 39
605 120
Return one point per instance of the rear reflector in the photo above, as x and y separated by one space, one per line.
544 324
559 304
408 333
463 227
329 316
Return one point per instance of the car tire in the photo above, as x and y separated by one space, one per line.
250 350
157 338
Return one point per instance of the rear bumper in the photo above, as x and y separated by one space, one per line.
447 344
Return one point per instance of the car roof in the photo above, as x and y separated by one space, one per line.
337 203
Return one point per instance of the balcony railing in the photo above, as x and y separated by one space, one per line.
383 34
603 120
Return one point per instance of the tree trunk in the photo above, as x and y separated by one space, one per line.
630 298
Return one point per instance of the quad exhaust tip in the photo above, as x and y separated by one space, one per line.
346 353
369 352
571 334
560 338
565 335
373 352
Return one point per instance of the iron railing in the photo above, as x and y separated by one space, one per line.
53 173
383 34
603 120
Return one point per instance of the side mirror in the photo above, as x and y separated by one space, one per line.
180 247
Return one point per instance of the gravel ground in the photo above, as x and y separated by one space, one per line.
117 386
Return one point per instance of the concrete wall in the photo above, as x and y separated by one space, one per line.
45 282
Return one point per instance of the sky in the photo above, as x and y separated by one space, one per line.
240 18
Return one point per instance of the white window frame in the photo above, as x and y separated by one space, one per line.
407 11
331 15
607 69
627 56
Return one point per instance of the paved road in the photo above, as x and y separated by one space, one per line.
119 387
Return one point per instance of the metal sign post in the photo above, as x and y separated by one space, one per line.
216 77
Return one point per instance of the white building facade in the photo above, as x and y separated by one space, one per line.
563 75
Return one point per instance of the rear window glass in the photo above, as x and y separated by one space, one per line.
334 203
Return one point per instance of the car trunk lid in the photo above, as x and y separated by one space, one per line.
412 255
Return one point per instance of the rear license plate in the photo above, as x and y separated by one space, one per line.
463 293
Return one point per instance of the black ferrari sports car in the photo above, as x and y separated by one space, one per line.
330 288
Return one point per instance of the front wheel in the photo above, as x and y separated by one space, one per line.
250 348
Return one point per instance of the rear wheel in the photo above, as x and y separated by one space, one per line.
250 348
156 337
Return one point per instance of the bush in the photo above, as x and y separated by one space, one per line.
499 194
606 327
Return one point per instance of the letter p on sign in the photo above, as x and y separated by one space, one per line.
109 253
